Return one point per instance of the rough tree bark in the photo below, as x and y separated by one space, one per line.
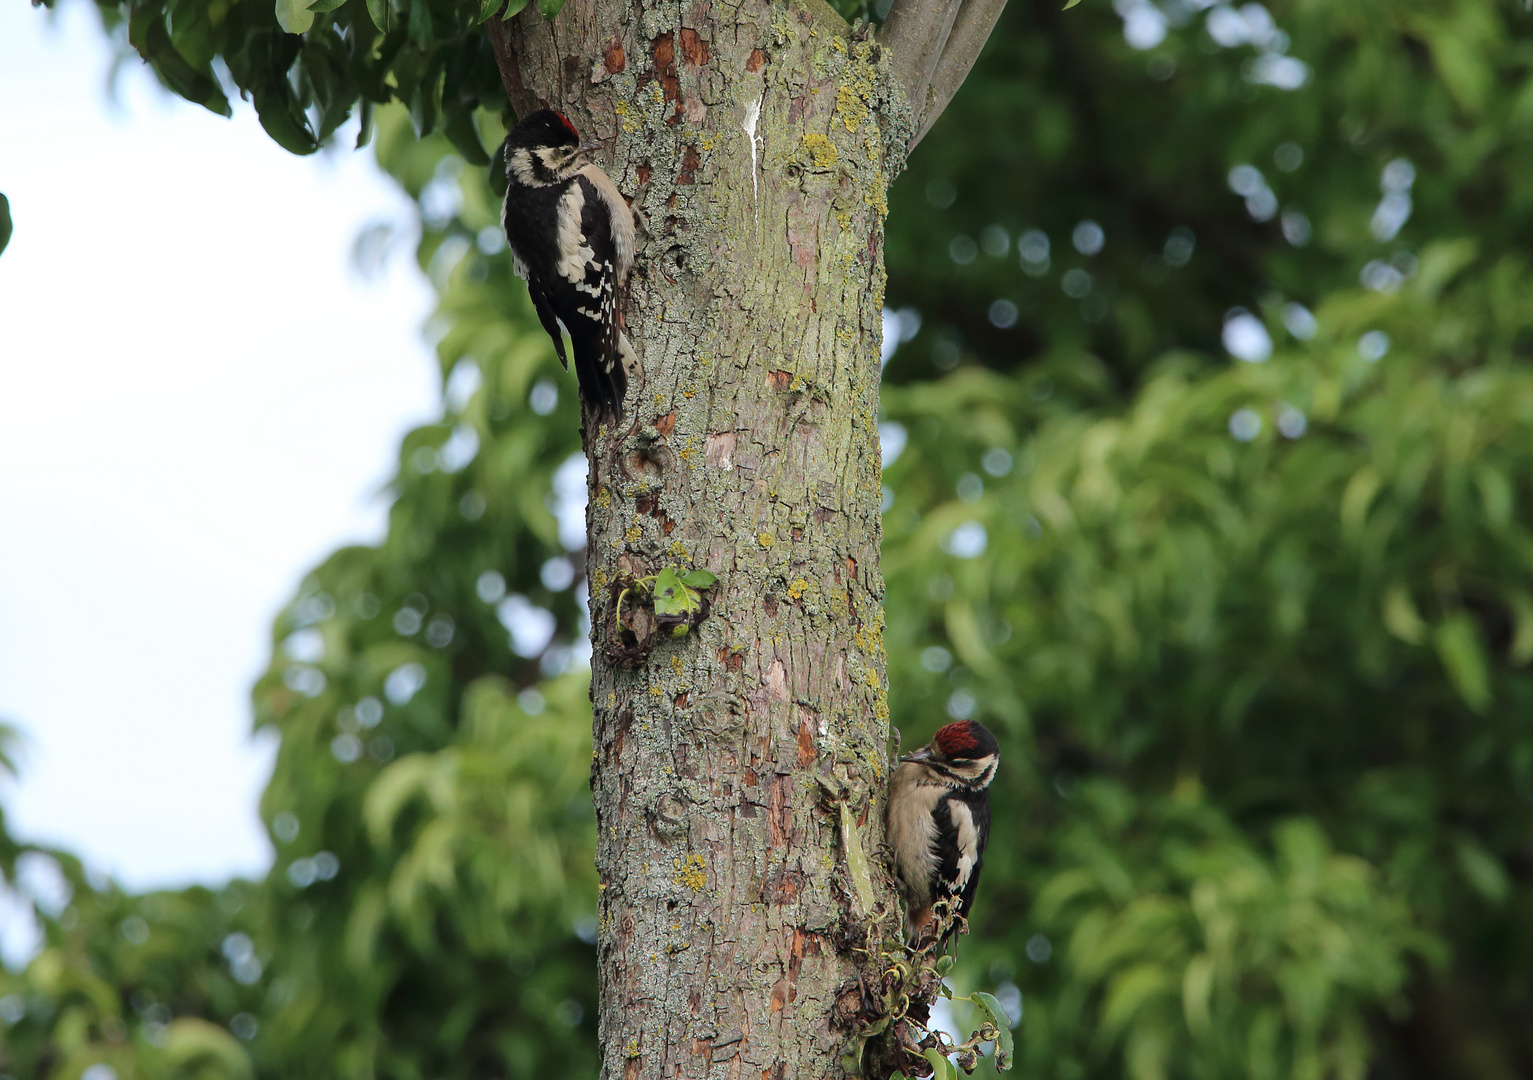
739 770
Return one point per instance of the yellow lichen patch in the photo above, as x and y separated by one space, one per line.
796 588
611 701
633 534
677 548
821 150
874 196
631 1049
604 498
851 104
599 578
676 664
692 872
765 539
657 691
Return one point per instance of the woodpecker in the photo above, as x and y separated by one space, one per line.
939 820
572 240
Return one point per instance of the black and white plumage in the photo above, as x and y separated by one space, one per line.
572 239
939 820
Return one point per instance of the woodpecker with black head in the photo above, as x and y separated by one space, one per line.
572 239
938 822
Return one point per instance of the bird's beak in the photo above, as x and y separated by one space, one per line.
589 147
923 754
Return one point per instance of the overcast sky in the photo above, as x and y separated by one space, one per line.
199 398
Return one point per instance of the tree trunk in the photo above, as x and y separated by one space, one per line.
762 139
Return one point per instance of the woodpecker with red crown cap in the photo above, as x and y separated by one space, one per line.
572 239
938 822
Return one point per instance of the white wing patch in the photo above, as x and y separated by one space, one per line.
573 254
623 231
968 842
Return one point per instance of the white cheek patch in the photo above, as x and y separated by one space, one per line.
520 166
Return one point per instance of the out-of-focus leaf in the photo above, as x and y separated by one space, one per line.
284 120
458 126
1483 871
294 16
381 12
5 222
1463 657
1401 617
195 1046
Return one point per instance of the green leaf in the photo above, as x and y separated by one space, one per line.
1463 657
671 596
1483 871
1401 617
488 8
420 24
5 222
699 579
550 8
196 1046
857 865
458 125
942 1068
326 5
284 120
382 14
1069 4
498 180
513 9
1004 1043
293 16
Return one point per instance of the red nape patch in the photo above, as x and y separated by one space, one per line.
956 738
568 126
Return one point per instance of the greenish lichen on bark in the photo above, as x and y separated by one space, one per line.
760 141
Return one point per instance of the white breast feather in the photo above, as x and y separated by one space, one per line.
912 832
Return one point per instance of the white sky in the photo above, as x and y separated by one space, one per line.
199 399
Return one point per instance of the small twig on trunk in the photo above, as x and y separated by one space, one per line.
523 101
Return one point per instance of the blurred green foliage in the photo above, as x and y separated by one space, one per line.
1255 635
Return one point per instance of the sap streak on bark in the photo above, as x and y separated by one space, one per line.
749 447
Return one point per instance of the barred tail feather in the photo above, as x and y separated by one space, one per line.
603 377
